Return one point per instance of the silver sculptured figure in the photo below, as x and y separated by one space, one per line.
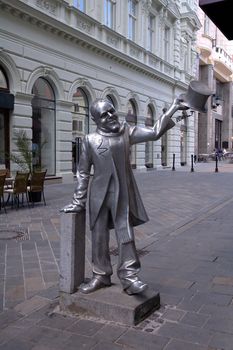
114 199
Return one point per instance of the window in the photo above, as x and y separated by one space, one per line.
4 123
80 124
167 43
149 145
3 80
80 4
131 118
81 110
151 32
132 9
206 25
43 126
109 13
110 99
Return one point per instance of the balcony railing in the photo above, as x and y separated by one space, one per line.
223 61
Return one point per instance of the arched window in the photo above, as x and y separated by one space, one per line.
149 145
80 124
131 118
110 99
3 80
43 126
4 121
81 113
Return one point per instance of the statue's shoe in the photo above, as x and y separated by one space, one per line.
93 285
136 287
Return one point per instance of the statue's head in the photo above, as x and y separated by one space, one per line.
105 116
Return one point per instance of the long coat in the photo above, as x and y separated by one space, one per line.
109 154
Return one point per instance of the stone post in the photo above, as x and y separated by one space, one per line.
72 251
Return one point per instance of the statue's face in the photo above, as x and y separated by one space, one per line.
108 118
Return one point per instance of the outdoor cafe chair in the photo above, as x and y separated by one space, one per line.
5 172
36 185
2 184
18 188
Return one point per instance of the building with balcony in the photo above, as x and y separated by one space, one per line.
215 69
57 56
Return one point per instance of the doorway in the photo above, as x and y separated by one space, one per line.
4 139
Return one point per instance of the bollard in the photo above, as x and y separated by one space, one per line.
173 163
192 168
216 164
72 251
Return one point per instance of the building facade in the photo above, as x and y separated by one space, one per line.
57 56
216 68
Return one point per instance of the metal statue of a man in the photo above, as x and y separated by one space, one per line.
114 199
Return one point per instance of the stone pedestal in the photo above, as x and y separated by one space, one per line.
72 251
112 304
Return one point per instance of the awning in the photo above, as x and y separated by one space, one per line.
220 12
6 100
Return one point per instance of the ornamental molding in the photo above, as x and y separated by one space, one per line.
48 6
146 6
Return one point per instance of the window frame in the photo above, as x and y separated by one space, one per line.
132 19
80 5
110 13
151 31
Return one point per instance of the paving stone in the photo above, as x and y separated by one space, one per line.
86 327
185 333
107 346
8 333
50 293
58 322
221 311
14 292
220 324
173 315
44 335
142 340
33 284
8 317
110 332
222 341
83 342
16 344
47 347
31 305
180 345
194 319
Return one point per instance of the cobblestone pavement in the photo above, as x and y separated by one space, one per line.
186 255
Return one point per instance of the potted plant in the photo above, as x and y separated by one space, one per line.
25 156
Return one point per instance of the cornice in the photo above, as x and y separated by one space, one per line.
78 36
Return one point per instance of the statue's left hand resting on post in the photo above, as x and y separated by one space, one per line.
114 199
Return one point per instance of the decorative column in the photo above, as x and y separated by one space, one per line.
64 140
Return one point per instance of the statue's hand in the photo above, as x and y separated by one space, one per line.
71 208
179 103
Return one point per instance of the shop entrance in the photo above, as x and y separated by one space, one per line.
6 105
4 139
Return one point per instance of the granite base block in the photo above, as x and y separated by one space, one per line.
112 304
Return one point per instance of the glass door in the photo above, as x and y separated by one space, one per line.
4 140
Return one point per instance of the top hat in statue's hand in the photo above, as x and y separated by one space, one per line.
180 104
196 96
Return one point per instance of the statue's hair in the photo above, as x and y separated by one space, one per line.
97 107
